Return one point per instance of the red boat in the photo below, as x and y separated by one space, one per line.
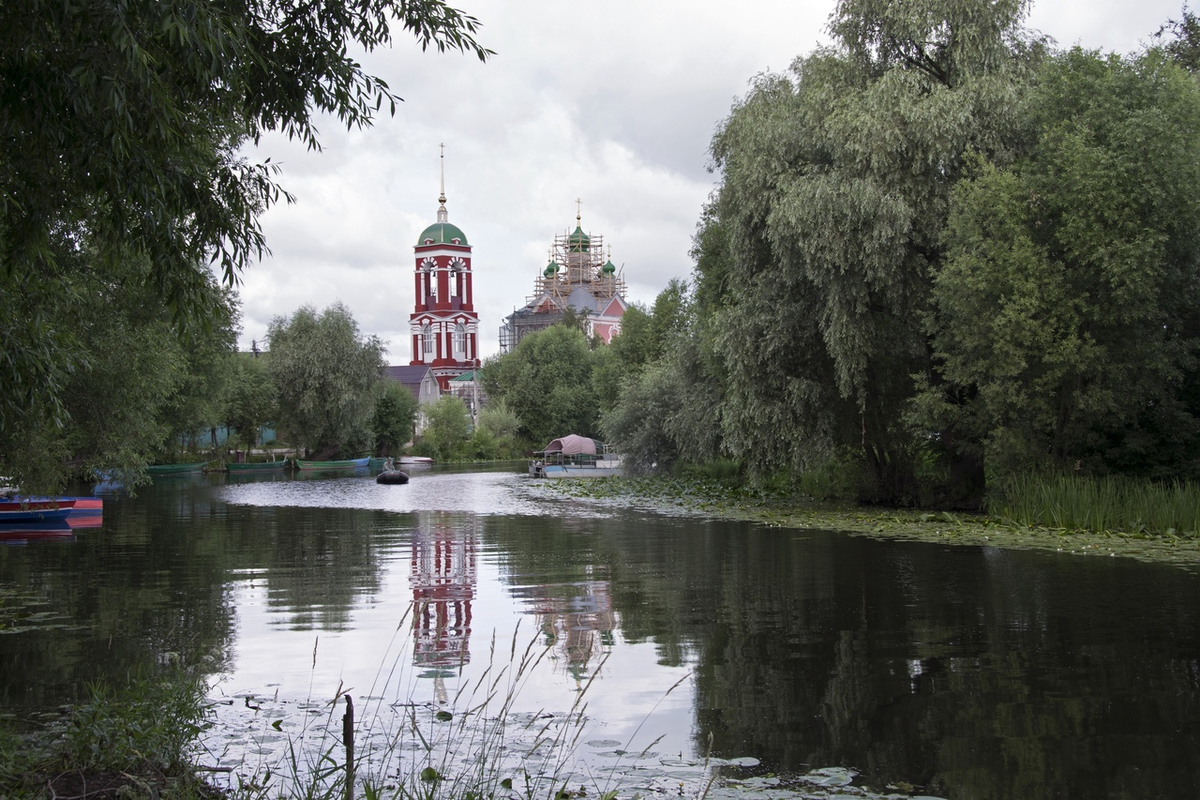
85 506
34 510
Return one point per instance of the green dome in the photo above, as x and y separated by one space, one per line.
579 241
442 233
608 268
551 270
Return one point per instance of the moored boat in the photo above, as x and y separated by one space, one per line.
77 506
575 456
34 510
347 464
258 466
410 461
85 506
176 469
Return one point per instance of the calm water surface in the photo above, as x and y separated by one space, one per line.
965 672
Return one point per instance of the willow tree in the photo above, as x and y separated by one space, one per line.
835 188
327 375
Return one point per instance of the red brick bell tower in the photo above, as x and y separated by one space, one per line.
444 324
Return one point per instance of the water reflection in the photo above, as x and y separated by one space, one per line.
427 490
442 576
971 672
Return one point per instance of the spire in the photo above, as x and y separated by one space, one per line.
578 218
442 216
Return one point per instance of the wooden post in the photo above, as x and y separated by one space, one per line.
348 740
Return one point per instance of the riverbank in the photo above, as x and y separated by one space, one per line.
717 499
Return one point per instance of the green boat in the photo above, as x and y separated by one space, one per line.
349 464
258 466
177 469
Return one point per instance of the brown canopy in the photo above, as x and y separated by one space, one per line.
570 445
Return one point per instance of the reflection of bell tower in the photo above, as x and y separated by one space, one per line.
442 576
444 323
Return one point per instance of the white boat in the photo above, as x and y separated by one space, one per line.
575 456
414 460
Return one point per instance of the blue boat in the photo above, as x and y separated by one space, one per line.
12 511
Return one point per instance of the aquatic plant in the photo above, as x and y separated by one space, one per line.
1111 503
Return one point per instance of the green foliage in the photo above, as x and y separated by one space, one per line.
949 41
609 374
670 411
639 425
547 382
250 395
122 127
394 418
152 722
327 375
635 345
137 383
502 425
1180 40
843 476
669 319
447 427
827 226
129 115
1066 314
482 446
721 469
200 401
142 737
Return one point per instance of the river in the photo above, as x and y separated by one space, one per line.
874 668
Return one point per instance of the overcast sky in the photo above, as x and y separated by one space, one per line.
613 103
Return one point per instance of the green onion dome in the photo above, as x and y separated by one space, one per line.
551 270
579 241
608 268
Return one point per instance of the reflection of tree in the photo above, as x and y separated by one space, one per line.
319 561
942 667
119 601
442 576
551 567
152 586
975 674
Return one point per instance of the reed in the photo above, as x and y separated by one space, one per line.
1106 504
471 745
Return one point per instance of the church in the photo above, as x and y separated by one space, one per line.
444 324
578 277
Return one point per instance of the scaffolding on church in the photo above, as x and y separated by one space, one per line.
578 276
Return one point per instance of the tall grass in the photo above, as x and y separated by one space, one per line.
470 745
141 737
1099 504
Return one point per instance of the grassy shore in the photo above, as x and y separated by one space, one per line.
134 742
726 500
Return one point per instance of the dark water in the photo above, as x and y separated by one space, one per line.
966 672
